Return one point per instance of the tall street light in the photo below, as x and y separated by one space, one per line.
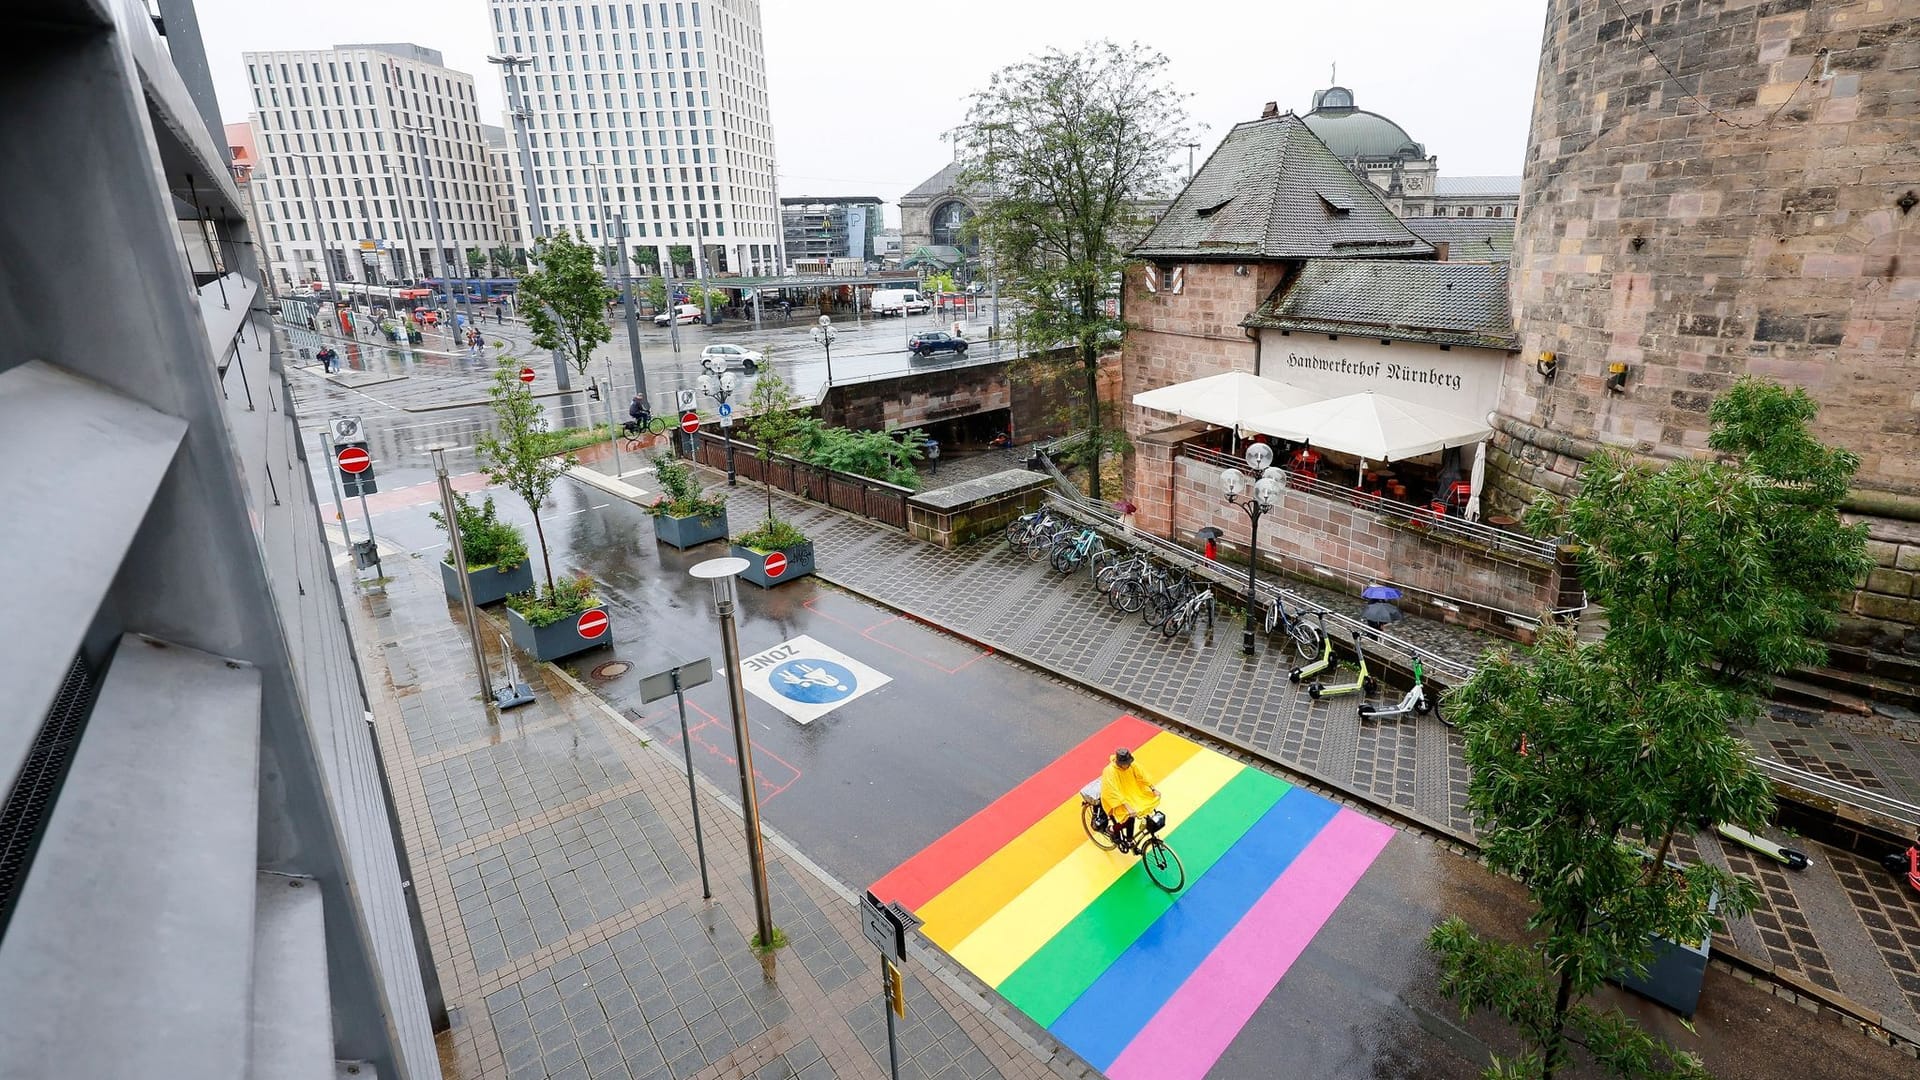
722 393
320 230
433 213
824 334
1265 492
721 573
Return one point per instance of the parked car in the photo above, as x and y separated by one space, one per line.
929 342
680 313
899 302
718 358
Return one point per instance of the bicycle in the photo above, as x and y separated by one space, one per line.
1307 640
637 434
1163 595
1110 571
1069 554
1183 617
1161 862
1022 530
1041 543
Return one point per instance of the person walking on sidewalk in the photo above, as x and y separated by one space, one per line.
328 359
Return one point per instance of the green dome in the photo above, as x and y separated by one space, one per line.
1353 132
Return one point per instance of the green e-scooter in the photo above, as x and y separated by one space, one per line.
1362 683
1786 856
1326 662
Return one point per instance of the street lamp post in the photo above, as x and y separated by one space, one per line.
721 573
721 392
824 334
320 230
433 214
1255 504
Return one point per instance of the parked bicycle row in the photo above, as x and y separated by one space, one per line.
1173 601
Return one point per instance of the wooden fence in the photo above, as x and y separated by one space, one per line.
872 499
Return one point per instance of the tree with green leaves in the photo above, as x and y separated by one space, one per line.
476 262
1588 759
775 424
646 259
1062 148
565 300
516 455
680 259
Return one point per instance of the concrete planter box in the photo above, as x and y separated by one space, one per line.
799 564
491 584
686 532
1676 971
554 640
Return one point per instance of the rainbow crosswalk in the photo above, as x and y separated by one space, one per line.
1139 983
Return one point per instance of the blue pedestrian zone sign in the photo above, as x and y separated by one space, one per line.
807 680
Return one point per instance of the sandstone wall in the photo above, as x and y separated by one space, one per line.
1748 214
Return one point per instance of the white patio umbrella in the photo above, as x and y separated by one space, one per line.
1370 425
1227 399
1476 480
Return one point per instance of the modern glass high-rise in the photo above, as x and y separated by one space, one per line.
347 117
654 111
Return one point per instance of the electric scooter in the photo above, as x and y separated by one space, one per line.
1906 863
1362 683
1418 700
1327 661
1786 856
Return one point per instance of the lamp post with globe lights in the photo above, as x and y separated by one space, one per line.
721 392
1255 498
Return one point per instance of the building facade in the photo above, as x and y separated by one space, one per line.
201 869
821 230
1381 152
1754 213
654 112
362 147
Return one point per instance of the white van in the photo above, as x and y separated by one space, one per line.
899 302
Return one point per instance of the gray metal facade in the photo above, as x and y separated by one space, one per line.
202 875
818 228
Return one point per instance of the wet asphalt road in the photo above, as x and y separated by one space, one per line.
870 784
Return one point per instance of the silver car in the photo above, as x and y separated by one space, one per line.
718 358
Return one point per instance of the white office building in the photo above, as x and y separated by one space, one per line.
343 137
656 112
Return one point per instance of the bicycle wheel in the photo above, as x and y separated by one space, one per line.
1306 639
659 425
1100 837
1158 609
1066 558
1101 566
1177 622
1127 596
1017 532
1163 865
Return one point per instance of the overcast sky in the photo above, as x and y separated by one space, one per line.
862 95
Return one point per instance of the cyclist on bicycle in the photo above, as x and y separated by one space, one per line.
1126 792
640 416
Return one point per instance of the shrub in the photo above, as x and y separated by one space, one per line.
772 535
568 597
487 540
683 497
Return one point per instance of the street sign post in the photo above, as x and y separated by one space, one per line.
687 399
690 422
886 925
676 679
353 467
592 624
776 565
526 374
355 460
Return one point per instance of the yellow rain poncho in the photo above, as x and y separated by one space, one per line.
1124 790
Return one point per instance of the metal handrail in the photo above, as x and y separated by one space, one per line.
1478 532
1450 669
1860 799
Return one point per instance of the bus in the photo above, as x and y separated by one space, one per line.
392 298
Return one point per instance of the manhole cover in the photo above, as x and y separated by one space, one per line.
612 669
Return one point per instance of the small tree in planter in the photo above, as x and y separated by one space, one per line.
684 516
567 620
496 553
518 455
776 429
565 301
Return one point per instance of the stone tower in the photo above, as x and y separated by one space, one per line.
1716 188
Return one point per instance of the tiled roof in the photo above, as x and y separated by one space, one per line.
1445 303
940 183
1478 186
1272 190
1468 239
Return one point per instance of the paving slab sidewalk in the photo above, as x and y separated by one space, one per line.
553 857
1843 930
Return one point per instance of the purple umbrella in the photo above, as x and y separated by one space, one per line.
1379 592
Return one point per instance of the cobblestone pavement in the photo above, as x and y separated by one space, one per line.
1843 926
552 853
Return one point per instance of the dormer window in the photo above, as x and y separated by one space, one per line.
1337 205
1209 211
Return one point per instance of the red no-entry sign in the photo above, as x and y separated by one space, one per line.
592 624
354 459
690 422
776 564
526 374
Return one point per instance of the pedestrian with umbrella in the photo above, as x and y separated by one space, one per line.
1380 609
1210 536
